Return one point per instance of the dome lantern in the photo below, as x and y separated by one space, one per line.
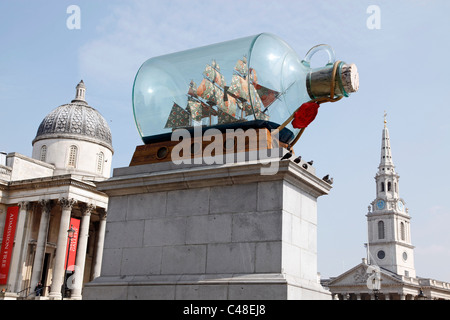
80 93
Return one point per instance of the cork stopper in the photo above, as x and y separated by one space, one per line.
350 78
318 81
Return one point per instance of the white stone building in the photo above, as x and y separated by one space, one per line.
388 271
51 191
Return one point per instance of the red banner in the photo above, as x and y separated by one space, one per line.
8 242
72 246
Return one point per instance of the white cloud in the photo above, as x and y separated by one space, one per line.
133 32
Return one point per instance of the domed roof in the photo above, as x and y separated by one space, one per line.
76 120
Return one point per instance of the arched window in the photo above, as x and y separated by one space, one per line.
395 187
380 230
73 153
402 231
382 187
43 153
100 160
389 186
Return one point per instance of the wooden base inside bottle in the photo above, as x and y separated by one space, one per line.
253 140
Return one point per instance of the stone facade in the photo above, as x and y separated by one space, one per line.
54 186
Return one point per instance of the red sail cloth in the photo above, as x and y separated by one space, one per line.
305 115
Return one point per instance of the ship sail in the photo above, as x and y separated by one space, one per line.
211 87
224 117
268 96
241 67
243 89
192 89
238 88
256 100
178 117
242 98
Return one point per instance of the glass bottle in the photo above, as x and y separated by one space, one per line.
251 82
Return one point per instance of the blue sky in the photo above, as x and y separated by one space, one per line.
403 69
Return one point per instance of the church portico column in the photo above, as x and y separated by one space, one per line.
83 235
61 248
46 206
17 254
99 246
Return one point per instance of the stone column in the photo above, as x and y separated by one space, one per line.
61 248
83 235
402 296
99 246
15 278
36 273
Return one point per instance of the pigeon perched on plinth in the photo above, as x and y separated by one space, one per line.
287 156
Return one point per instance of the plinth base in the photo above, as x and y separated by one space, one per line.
211 231
204 287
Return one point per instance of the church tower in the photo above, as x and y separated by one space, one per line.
388 220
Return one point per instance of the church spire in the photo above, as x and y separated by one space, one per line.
80 93
389 235
386 163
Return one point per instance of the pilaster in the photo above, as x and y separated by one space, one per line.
99 244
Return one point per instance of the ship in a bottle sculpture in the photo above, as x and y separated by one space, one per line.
253 82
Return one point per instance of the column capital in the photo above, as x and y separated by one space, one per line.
86 208
102 213
46 205
25 205
67 203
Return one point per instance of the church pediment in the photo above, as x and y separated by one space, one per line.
363 274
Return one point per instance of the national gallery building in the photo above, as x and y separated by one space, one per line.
52 217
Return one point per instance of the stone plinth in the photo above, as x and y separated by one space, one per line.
211 232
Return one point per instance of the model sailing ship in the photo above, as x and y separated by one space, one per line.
215 103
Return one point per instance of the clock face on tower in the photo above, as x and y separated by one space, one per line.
380 204
400 205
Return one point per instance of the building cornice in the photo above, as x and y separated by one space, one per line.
53 181
166 177
35 161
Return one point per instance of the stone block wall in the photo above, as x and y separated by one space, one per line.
211 240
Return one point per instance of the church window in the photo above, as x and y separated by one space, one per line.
73 156
382 187
43 153
395 187
389 186
380 230
402 231
100 160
